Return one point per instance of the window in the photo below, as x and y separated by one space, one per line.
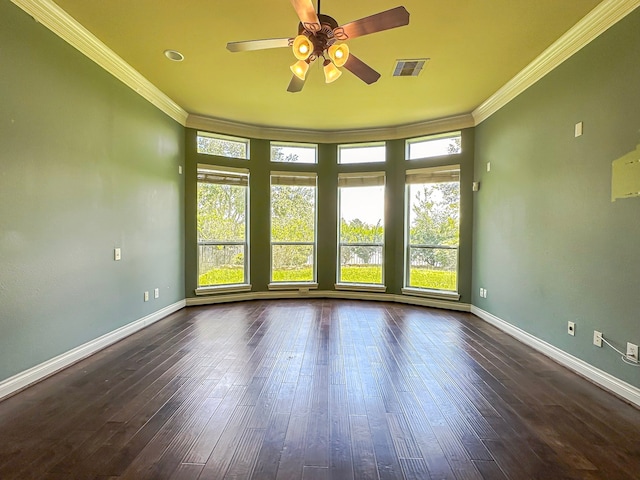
360 248
222 145
293 227
433 228
222 226
362 153
294 152
434 146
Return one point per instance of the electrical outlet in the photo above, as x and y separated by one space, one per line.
632 352
156 293
597 338
485 293
481 292
117 254
571 328
146 296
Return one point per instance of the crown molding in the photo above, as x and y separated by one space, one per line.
596 22
602 17
66 27
330 136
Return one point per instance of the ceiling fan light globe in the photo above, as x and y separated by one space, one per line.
300 69
331 73
339 54
302 47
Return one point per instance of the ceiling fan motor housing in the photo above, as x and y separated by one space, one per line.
321 39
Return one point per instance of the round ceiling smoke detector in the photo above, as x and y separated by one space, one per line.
174 55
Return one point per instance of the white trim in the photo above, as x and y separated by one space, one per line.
599 377
424 292
301 286
458 122
40 372
344 295
602 17
596 22
67 28
222 289
360 287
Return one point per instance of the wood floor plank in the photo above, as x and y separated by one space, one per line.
228 443
318 389
292 457
272 446
364 457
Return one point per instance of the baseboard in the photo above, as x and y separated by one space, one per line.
338 294
22 380
597 376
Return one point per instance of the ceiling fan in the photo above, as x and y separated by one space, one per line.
318 35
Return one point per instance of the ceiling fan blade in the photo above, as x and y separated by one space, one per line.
258 44
307 14
295 85
396 17
361 70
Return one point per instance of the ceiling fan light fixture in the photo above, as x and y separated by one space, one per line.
331 72
302 47
339 54
300 69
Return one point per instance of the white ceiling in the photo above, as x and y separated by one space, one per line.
475 47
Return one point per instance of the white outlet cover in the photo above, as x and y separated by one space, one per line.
488 166
117 254
156 293
632 352
578 129
146 296
597 338
571 328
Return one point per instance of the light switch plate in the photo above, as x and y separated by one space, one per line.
117 254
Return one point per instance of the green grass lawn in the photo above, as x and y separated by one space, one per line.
420 277
222 276
434 279
361 274
297 275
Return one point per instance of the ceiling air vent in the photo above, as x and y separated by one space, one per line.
409 68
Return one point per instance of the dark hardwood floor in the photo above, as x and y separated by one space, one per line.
316 390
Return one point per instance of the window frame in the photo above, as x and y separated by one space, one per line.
409 142
302 284
355 180
242 175
225 138
438 174
310 146
364 145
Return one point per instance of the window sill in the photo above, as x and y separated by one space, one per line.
302 286
361 287
439 294
223 289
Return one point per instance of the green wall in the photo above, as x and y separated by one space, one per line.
549 245
86 165
327 169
